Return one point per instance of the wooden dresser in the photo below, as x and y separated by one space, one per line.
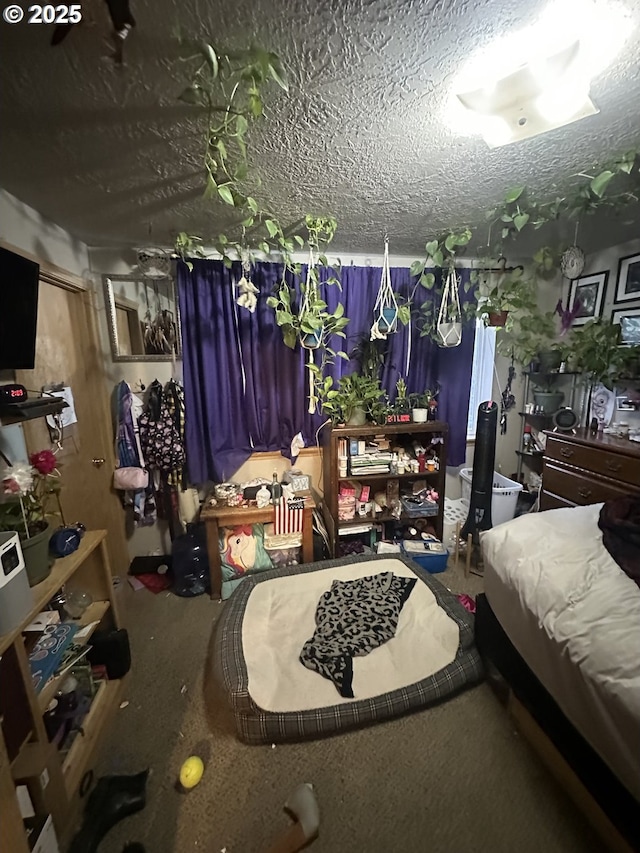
585 469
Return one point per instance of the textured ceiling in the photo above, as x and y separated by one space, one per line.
113 157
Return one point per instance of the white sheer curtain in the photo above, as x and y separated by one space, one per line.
484 351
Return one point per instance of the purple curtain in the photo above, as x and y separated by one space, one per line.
246 391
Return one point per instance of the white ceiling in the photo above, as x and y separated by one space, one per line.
113 157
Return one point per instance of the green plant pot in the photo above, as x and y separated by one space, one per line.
37 560
358 417
549 360
549 401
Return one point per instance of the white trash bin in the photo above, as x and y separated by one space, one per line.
504 495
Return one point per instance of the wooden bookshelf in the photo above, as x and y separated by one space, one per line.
26 755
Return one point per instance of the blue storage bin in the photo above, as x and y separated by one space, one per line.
432 561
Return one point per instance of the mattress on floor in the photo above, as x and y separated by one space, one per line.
263 628
574 617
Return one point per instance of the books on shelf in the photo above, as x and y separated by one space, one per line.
48 652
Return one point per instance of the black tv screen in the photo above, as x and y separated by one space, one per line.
18 311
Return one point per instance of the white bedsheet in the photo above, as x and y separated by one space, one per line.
574 616
280 618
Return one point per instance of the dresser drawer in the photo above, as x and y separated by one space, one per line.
600 461
576 488
549 501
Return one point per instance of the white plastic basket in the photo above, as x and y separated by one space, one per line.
504 495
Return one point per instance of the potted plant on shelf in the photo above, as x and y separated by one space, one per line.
354 400
420 405
595 350
26 491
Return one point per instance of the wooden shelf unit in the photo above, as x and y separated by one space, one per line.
26 755
401 434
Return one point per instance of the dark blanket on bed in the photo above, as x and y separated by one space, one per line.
620 524
353 618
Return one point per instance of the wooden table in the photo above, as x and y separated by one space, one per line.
215 517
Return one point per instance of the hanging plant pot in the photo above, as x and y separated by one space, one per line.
449 325
385 310
387 321
497 318
311 340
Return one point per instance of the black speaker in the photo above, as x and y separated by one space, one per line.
111 649
484 458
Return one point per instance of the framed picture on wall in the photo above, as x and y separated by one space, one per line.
628 285
629 319
588 294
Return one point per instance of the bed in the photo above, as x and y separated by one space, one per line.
561 622
268 619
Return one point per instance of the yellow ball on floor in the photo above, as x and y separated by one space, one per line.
191 772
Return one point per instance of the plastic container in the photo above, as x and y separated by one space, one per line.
190 563
504 495
432 561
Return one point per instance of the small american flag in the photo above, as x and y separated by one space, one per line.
289 516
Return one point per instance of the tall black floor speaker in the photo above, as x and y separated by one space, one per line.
484 458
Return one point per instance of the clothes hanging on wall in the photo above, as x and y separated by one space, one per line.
163 448
129 454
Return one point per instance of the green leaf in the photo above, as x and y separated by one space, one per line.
248 222
520 220
427 280
339 312
226 195
241 125
255 105
290 338
513 194
222 148
264 247
298 240
211 57
227 262
342 354
416 268
505 233
599 183
450 242
252 204
276 71
272 302
272 228
431 247
506 217
438 258
404 314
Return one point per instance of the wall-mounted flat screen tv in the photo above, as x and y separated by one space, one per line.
18 311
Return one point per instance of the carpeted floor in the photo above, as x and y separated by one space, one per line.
454 778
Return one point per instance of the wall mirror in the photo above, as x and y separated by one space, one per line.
143 319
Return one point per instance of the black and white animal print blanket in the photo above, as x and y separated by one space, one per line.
353 618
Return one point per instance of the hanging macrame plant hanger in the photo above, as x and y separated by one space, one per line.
310 340
449 327
385 310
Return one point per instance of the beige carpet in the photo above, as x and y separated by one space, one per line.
451 778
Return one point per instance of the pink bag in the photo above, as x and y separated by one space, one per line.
130 479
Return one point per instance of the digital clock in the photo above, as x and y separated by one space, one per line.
13 393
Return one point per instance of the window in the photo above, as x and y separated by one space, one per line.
484 350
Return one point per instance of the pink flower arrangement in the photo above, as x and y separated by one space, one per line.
25 492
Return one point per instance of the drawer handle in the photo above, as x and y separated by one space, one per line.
613 466
567 452
584 493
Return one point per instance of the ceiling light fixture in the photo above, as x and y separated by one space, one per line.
548 84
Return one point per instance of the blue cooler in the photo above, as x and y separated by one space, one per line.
429 554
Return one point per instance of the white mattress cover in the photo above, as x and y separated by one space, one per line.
574 616
280 617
